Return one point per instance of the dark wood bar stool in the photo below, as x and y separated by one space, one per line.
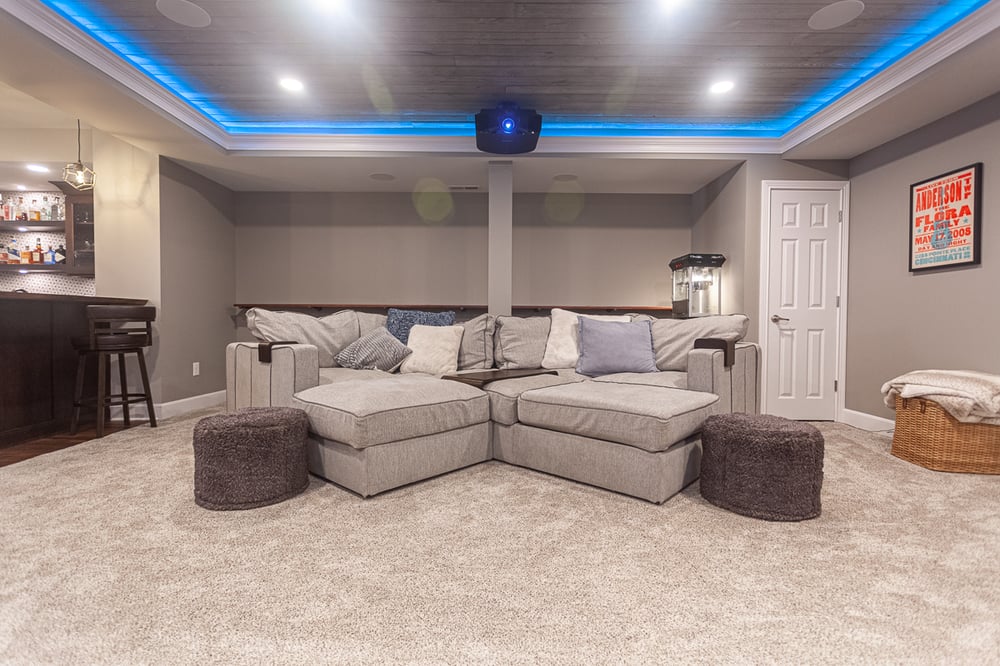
119 330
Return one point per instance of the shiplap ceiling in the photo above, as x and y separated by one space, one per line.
622 66
57 73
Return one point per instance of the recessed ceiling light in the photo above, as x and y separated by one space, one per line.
21 187
184 12
37 168
670 5
836 15
720 87
293 85
565 177
382 176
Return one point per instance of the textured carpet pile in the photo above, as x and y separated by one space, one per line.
105 558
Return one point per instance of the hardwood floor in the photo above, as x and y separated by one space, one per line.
36 447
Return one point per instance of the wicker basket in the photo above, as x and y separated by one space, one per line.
929 436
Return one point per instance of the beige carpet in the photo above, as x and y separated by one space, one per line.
105 558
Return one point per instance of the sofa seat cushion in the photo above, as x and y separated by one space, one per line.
336 375
503 394
665 379
363 413
651 418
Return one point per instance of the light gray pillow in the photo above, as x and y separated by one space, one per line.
329 334
519 342
607 347
369 321
674 338
476 352
377 350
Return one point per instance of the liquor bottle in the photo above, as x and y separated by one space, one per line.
13 256
50 256
3 210
3 254
36 253
26 255
46 213
22 210
34 211
61 254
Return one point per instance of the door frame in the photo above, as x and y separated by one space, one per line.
844 187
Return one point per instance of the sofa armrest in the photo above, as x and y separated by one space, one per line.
251 382
738 385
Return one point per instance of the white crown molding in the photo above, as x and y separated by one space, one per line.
897 77
348 146
68 36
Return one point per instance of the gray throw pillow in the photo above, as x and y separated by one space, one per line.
378 350
476 352
674 338
520 341
399 322
328 334
607 347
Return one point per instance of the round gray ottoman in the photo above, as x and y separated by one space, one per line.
250 458
762 466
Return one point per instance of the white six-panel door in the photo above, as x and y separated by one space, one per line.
801 315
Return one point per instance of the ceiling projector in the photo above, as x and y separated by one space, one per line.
507 129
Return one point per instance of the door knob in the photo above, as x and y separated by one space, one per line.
776 319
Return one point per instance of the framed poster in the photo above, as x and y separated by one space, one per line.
945 217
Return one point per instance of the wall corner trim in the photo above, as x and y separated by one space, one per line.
865 421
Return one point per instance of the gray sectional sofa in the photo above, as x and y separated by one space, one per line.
636 433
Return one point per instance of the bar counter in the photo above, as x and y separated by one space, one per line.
38 362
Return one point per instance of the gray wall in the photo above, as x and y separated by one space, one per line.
607 249
359 248
198 282
377 248
718 210
900 321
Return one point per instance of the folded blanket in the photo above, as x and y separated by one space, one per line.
969 396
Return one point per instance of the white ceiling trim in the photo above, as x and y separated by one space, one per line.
367 146
80 44
55 27
897 77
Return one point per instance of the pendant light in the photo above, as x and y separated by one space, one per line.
76 174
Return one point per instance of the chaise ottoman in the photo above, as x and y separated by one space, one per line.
372 435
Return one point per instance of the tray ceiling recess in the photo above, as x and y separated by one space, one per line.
421 68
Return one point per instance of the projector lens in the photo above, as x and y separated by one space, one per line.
507 125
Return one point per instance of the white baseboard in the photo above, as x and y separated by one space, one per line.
863 420
166 410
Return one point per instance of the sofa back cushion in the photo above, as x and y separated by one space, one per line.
519 342
674 338
369 321
608 347
329 334
476 352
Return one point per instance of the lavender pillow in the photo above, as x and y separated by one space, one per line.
400 322
607 347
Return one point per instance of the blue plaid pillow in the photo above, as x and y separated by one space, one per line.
400 322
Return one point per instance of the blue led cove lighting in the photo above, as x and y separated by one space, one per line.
141 56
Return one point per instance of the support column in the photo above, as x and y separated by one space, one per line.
501 241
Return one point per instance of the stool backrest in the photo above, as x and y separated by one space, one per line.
117 326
